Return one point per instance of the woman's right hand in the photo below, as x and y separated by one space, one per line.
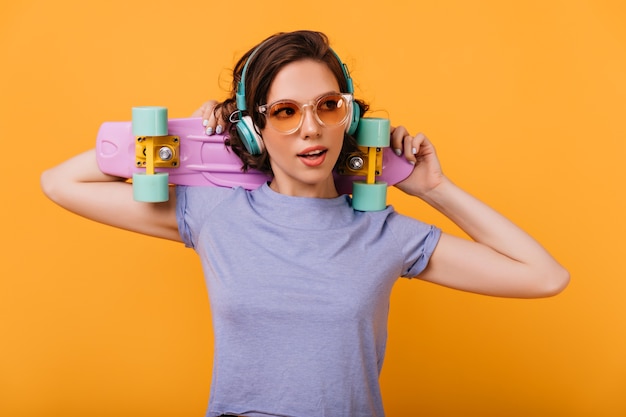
212 124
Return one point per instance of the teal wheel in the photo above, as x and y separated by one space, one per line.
369 197
373 132
149 121
151 188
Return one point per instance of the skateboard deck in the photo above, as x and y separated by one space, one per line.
201 160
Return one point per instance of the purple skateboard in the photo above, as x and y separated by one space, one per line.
181 153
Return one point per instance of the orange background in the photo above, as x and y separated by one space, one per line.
526 102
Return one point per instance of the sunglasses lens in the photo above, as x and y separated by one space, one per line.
284 116
332 109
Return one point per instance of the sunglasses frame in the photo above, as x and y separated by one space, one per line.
347 97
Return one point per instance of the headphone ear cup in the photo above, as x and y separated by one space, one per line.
353 123
248 135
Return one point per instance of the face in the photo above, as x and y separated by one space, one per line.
303 161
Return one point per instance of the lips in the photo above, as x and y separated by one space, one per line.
313 156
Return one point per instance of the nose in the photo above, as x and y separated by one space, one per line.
310 126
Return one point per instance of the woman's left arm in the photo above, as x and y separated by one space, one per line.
502 260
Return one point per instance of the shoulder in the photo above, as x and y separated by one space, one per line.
411 232
196 205
204 198
390 217
401 227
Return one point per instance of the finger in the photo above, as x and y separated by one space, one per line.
409 148
219 126
207 108
419 141
418 144
208 117
208 121
397 139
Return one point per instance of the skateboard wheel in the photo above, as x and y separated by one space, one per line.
149 121
369 197
373 132
151 188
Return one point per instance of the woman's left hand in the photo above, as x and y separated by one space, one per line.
427 174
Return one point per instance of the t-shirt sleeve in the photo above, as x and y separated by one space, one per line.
418 241
193 206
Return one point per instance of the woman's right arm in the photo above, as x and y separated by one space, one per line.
79 186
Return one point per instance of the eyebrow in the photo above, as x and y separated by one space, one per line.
299 102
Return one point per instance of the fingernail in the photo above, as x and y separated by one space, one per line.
209 131
205 122
412 162
397 151
218 129
414 151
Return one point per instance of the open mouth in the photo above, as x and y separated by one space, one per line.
313 157
313 154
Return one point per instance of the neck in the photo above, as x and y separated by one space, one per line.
324 189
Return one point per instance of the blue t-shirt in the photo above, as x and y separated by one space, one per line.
299 291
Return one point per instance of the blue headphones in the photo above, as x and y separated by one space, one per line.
248 132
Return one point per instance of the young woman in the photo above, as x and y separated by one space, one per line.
299 281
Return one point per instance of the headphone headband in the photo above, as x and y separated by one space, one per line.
346 73
240 94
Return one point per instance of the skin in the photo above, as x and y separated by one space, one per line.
499 260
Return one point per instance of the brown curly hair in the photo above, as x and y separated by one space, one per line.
265 61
